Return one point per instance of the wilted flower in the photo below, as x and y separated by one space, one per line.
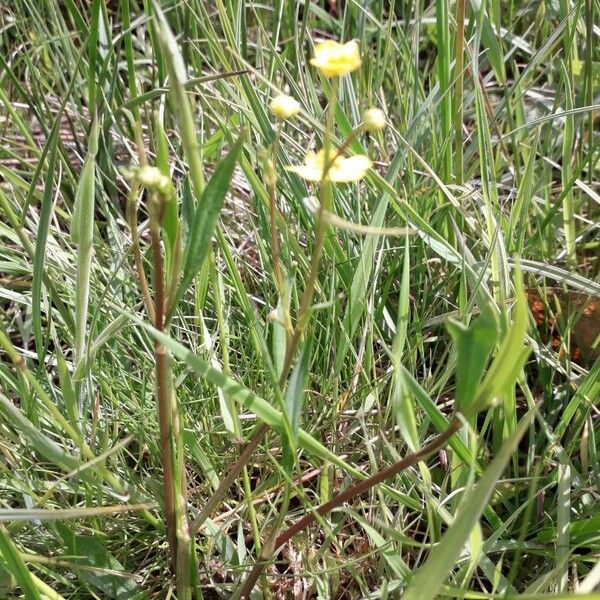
284 106
334 59
374 119
151 178
342 169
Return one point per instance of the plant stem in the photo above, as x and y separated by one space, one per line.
273 218
163 399
362 486
325 206
458 90
137 255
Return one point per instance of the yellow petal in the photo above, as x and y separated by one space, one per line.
307 172
342 170
350 169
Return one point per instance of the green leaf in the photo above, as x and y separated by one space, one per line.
13 562
82 233
180 101
474 344
295 391
403 402
87 550
36 440
170 223
443 556
205 219
512 354
66 385
40 249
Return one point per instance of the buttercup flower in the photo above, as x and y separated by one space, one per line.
284 107
334 59
342 169
373 119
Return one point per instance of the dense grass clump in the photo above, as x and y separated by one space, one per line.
299 299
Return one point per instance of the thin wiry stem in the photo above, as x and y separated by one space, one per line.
137 254
291 347
266 553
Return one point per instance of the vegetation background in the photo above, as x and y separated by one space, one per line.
490 158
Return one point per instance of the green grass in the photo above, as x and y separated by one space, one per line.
460 425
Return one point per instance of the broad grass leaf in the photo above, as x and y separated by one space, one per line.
403 402
89 551
82 230
295 393
474 344
296 389
170 222
40 249
512 354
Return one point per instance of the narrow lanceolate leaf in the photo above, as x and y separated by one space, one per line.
178 78
405 409
170 222
293 403
520 212
296 389
82 233
205 219
442 558
474 344
12 561
40 249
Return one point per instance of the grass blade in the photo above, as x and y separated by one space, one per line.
40 250
82 232
15 565
430 577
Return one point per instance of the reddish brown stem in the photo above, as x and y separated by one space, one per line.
230 477
162 395
362 486
269 552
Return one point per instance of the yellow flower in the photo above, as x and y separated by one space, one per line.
342 169
374 119
284 106
334 59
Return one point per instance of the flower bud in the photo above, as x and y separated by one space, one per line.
152 179
270 172
374 120
284 107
